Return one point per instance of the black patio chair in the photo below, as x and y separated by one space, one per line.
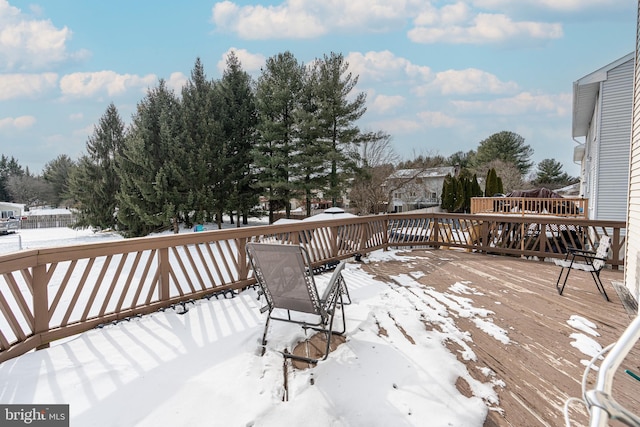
590 261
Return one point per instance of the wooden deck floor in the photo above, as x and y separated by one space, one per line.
540 367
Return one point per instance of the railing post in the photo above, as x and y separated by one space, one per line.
163 268
615 248
385 236
40 304
334 241
436 232
243 268
484 236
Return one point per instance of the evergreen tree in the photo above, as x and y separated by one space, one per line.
239 121
204 160
56 173
492 186
508 147
310 158
277 99
8 167
339 110
550 174
94 183
448 193
476 191
149 181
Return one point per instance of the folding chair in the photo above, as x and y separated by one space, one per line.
589 261
285 277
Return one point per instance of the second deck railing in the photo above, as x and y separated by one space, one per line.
53 293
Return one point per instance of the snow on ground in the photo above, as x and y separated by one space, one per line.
203 367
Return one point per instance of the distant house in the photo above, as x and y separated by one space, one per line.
602 113
11 210
417 189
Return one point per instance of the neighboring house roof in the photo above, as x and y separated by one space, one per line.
585 94
12 205
427 173
331 213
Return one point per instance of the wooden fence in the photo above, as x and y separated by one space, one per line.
47 221
53 293
574 207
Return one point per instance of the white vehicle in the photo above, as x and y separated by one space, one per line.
10 214
9 225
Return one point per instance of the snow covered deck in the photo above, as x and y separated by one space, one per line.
434 337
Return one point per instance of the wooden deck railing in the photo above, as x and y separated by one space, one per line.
53 293
574 207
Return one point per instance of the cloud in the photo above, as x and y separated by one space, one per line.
523 103
20 123
175 81
76 116
312 18
397 126
14 86
27 43
479 29
259 22
385 66
103 82
469 81
437 119
384 103
251 62
551 5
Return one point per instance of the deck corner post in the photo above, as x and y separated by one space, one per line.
40 305
163 268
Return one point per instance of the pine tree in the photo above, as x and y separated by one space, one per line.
310 164
203 146
94 183
239 120
56 173
9 167
508 147
339 110
492 186
149 182
448 193
277 99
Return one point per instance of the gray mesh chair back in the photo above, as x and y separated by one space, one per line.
285 276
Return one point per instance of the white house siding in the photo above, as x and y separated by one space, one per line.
632 255
615 135
592 154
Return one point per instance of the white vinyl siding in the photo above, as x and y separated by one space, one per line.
632 255
613 144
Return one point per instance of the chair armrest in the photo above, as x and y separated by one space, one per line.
573 250
334 282
588 256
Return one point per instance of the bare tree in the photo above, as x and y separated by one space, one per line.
506 171
30 190
376 163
